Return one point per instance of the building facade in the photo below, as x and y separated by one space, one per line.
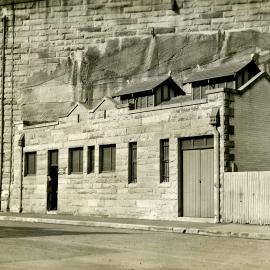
58 53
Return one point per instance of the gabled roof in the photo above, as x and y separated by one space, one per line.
147 86
258 76
84 106
112 103
217 72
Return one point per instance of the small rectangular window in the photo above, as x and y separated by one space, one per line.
132 164
158 97
164 161
107 157
230 84
165 93
30 163
196 92
204 88
76 160
91 159
150 101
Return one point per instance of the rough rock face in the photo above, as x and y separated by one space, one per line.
69 50
81 50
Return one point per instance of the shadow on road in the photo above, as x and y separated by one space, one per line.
14 232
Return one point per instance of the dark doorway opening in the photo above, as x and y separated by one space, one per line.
52 182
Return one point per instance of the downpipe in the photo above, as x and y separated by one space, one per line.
21 144
4 24
216 175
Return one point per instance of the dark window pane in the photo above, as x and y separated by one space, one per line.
108 157
186 144
203 91
30 163
210 141
164 160
239 80
144 102
196 92
172 94
76 160
230 84
166 93
199 142
132 162
53 158
150 101
113 157
158 97
91 159
246 76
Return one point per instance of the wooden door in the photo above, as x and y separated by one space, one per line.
198 180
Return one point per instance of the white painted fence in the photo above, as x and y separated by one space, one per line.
246 197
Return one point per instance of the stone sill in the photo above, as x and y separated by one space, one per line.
75 175
30 176
164 184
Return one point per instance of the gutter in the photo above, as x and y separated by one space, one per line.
4 23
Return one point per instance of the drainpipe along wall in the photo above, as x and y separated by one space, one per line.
216 175
21 144
4 24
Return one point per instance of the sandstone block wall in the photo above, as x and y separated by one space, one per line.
108 193
61 51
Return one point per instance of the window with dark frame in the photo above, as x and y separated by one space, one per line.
107 157
76 160
164 160
30 163
91 159
132 164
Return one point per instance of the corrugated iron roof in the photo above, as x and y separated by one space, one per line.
217 72
143 86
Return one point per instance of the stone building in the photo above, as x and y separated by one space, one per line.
152 151
64 67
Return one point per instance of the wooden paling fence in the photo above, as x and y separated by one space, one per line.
246 197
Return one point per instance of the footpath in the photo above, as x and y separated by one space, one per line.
207 229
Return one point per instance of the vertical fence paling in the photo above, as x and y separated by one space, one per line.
246 197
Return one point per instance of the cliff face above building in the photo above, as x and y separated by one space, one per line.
62 51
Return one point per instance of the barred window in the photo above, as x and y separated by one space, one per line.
164 161
30 163
132 178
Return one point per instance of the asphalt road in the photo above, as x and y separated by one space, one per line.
52 247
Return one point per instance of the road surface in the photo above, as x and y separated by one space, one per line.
51 247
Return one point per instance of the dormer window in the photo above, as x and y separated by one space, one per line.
149 93
230 76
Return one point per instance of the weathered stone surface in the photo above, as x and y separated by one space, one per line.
108 193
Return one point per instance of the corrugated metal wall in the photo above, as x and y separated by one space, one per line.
247 197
